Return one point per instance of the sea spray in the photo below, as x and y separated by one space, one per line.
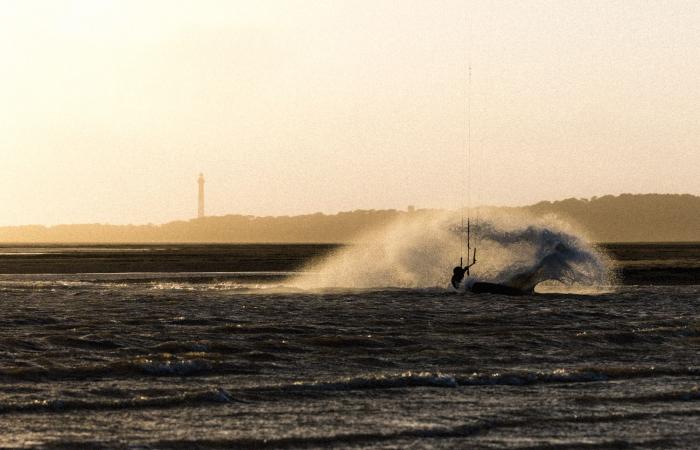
524 254
420 250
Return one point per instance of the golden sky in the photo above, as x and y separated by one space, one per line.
110 109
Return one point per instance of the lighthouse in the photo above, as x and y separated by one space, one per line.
200 203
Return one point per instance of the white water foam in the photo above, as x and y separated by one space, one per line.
419 251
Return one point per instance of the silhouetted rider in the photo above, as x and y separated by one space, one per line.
459 272
458 275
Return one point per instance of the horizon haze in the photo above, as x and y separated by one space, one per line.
624 218
110 109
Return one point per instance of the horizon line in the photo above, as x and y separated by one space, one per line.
405 209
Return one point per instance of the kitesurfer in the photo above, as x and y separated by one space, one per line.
458 275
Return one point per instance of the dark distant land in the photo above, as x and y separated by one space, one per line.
623 218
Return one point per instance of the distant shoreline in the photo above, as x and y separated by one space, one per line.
627 218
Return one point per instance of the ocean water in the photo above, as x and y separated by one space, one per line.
133 347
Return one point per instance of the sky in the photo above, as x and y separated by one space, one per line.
110 109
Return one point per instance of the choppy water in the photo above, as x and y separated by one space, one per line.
183 360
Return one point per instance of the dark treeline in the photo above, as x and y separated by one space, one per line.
624 218
311 228
631 218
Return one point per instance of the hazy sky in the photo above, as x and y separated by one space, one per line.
110 109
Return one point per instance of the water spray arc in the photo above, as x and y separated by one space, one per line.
413 253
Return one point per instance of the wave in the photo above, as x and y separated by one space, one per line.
80 283
165 365
122 399
440 380
216 395
407 437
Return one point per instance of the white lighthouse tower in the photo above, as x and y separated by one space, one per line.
200 203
